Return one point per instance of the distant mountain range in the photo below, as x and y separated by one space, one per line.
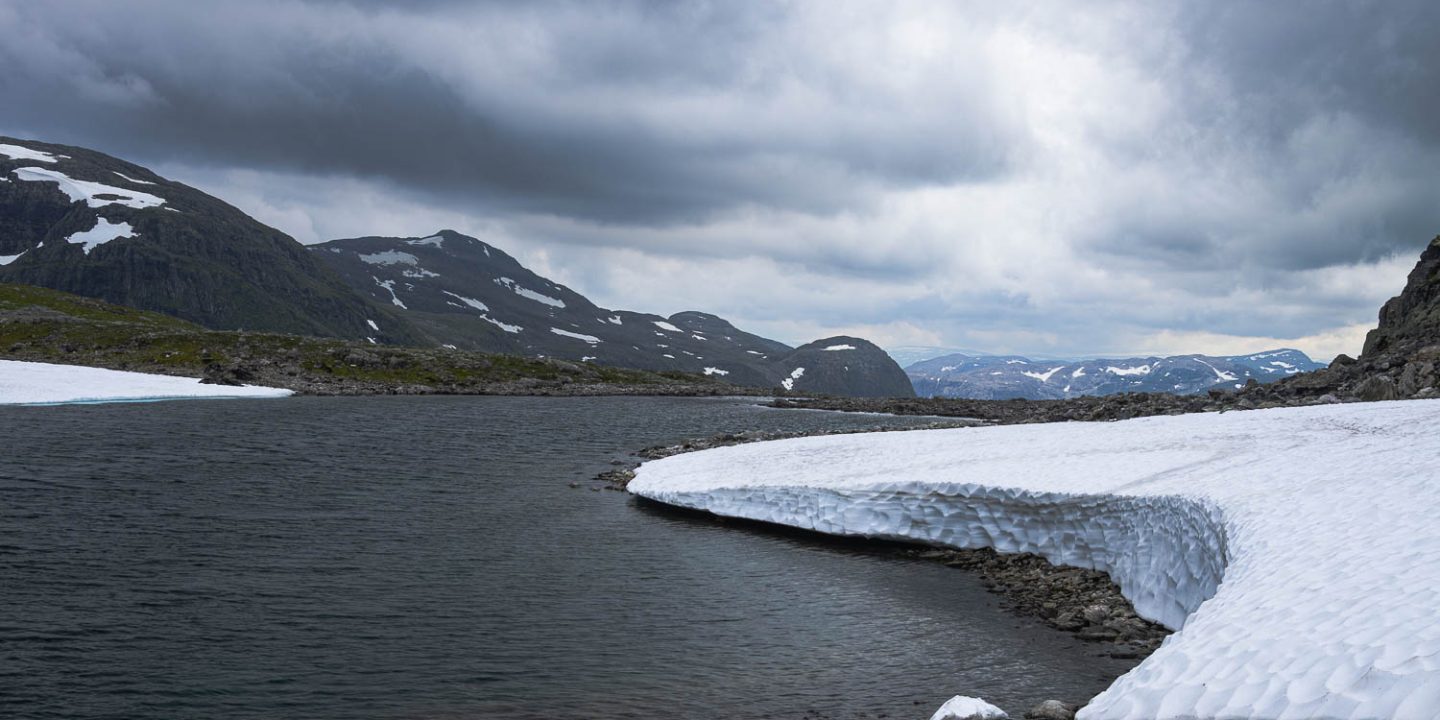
1002 377
81 221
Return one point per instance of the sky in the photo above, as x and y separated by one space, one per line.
1051 178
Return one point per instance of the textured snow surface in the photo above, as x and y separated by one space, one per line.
1321 522
103 232
961 707
16 152
27 382
789 382
88 191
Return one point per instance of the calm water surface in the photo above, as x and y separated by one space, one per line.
427 558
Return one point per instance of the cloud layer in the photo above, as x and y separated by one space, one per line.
1019 177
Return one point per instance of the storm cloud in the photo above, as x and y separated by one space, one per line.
1035 177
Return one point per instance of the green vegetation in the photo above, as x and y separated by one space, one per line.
51 326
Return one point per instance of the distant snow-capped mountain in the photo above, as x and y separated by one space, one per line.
468 294
1000 377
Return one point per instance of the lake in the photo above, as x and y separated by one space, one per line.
428 558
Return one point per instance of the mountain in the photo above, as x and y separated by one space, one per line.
844 365
83 222
80 221
466 293
1001 377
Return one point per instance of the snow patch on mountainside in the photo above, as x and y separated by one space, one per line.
103 232
433 241
837 348
667 327
716 371
389 285
472 302
390 257
789 382
528 293
16 152
127 178
1042 377
88 191
1318 520
578 336
1127 371
44 383
7 259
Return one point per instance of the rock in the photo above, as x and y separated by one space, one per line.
1095 614
1376 388
1327 399
1052 710
961 707
1342 360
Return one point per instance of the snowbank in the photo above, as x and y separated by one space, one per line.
1321 522
27 383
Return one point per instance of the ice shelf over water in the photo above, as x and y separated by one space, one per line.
1297 550
43 383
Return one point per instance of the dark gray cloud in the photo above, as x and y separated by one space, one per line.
618 111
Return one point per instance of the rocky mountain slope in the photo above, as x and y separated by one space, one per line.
84 222
1003 377
466 293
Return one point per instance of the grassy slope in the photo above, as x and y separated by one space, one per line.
50 326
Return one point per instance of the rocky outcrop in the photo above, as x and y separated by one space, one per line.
1411 320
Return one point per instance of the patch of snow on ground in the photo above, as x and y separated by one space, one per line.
1318 520
755 352
789 382
1042 377
7 259
1137 370
88 191
1016 362
390 285
672 357
836 348
578 336
1079 372
390 257
448 346
127 178
103 232
667 326
716 371
587 358
698 337
961 707
615 319
1281 363
372 325
472 302
38 383
507 327
16 152
528 293
433 240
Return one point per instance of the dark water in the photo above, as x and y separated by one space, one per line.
427 558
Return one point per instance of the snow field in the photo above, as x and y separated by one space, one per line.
44 383
1295 550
